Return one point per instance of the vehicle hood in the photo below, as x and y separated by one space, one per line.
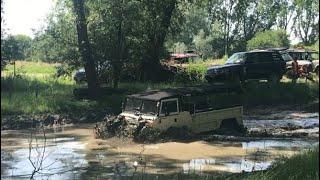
132 116
315 62
224 66
300 62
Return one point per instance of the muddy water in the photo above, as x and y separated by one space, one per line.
73 153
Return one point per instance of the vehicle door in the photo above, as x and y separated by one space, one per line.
169 115
252 67
277 64
261 64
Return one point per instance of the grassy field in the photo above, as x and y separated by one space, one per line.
38 91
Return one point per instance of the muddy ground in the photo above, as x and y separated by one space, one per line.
73 152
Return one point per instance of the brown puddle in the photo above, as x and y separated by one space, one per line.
73 153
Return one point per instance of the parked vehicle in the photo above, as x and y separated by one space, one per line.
304 59
196 108
257 64
80 76
102 70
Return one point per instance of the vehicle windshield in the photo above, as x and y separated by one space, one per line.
133 104
314 56
236 58
149 107
143 106
286 57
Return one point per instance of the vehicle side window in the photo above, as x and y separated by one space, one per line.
264 57
169 107
250 58
295 55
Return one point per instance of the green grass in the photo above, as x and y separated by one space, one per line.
282 93
302 166
43 93
30 67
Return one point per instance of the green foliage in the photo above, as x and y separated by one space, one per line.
314 46
269 39
16 47
300 166
306 25
203 44
197 70
179 47
283 93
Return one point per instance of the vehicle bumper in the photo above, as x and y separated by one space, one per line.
216 77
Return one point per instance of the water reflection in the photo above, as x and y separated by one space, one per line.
67 157
62 158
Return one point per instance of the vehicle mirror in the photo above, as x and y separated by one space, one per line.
239 60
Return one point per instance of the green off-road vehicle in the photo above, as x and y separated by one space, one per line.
196 109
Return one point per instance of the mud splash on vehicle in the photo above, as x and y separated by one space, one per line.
139 131
292 125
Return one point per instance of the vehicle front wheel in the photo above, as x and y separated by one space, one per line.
274 79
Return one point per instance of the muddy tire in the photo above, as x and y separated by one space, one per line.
231 127
147 134
178 133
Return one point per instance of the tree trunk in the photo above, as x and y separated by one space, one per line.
119 56
151 64
85 49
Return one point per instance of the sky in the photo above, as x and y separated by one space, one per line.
21 16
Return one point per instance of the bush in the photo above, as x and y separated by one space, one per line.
196 71
63 70
269 39
301 166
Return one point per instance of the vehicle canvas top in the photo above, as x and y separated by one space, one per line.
157 95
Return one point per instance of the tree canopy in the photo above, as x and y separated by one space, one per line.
135 35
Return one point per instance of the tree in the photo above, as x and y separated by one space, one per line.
16 47
286 14
3 56
203 44
85 49
306 21
269 39
157 20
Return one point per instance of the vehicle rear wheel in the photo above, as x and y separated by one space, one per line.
231 126
274 78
